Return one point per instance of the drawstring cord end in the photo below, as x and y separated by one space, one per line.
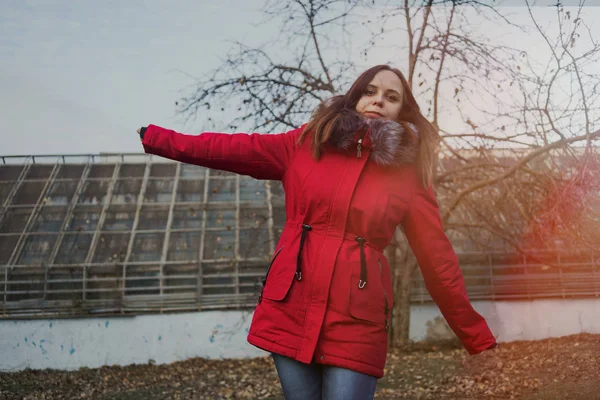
305 228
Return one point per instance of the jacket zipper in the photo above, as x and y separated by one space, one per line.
387 322
264 282
359 147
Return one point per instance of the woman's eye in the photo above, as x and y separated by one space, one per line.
370 92
392 98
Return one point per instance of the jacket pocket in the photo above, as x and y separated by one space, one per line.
280 276
282 272
264 281
371 302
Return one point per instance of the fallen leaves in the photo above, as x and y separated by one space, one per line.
551 369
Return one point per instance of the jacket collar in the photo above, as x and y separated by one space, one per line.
390 143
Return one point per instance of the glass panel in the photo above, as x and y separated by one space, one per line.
577 261
69 279
111 247
167 170
37 249
39 171
61 192
190 190
218 172
28 280
132 170
184 246
70 172
111 285
278 218
5 188
142 279
218 268
225 280
74 248
102 171
28 193
251 276
220 219
254 243
277 193
192 171
147 247
10 172
218 274
94 192
119 219
180 275
252 190
187 218
15 220
218 291
50 219
159 191
253 217
153 218
7 245
219 245
221 190
126 191
84 219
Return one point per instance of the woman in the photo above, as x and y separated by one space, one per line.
361 166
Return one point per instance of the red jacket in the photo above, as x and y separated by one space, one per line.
328 291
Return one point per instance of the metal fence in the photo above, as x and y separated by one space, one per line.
131 233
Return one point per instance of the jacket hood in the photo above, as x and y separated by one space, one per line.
390 143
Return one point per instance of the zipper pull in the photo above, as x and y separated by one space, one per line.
358 153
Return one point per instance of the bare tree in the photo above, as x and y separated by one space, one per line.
449 63
276 93
553 167
503 184
515 168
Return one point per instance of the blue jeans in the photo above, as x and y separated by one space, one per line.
314 381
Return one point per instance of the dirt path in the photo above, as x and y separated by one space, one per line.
552 369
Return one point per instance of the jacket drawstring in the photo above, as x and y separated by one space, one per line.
363 263
387 306
305 228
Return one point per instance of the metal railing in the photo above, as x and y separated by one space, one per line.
235 284
131 233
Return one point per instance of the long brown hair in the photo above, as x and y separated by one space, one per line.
327 116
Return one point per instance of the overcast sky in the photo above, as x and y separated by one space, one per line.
81 76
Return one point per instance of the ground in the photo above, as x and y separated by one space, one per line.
550 369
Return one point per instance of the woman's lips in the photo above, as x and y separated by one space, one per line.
373 114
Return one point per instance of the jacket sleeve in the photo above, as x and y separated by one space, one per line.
439 265
262 156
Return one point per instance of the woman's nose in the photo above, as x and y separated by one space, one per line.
377 100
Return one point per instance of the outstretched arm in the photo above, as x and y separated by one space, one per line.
443 278
262 156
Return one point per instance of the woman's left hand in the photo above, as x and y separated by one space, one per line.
141 132
487 360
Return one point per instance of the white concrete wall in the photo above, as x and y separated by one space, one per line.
92 342
515 320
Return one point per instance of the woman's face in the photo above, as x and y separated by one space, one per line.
382 97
